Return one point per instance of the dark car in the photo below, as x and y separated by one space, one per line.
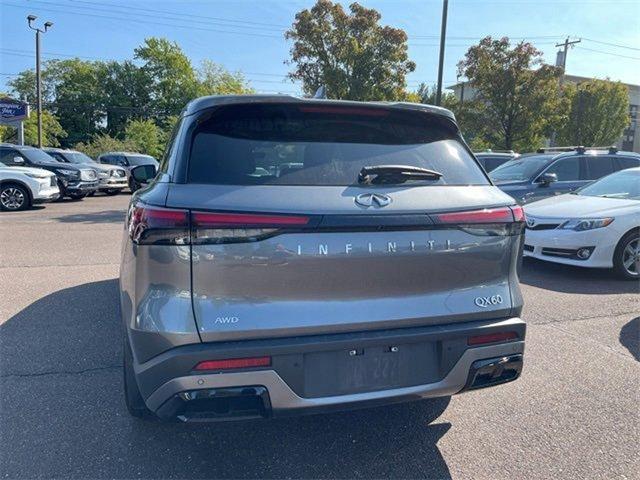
112 179
128 160
74 181
302 255
492 159
532 177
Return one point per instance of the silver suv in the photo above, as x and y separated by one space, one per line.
299 255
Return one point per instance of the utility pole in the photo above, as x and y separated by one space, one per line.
443 34
565 48
562 63
47 25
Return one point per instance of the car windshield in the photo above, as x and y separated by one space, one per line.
78 157
288 144
519 169
141 160
37 156
624 184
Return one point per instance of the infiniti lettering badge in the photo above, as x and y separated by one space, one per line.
373 199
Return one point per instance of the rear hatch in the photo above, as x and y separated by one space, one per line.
286 241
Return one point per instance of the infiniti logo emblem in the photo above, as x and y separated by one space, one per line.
373 200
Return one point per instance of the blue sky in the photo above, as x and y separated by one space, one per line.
246 35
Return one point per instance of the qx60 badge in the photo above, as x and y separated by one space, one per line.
373 200
485 302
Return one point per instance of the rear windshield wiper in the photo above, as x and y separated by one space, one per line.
395 174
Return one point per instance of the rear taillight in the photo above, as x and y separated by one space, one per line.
209 227
150 225
491 338
232 363
518 213
487 215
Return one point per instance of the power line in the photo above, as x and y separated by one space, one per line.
128 7
176 16
609 53
188 27
611 44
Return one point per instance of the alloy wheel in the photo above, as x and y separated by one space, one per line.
12 198
631 257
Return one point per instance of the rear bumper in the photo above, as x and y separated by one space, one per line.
170 386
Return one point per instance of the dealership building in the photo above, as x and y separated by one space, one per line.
630 139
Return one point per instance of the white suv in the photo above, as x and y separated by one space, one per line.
21 187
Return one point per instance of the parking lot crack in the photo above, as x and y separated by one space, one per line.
61 372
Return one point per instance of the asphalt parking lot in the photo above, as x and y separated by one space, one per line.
574 413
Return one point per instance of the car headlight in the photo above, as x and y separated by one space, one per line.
68 173
581 224
40 176
117 173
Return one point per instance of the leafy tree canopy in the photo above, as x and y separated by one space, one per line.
52 131
146 136
351 54
91 98
518 95
102 143
598 113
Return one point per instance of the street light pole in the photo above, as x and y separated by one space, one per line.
47 25
443 34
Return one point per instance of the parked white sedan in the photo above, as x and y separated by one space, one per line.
21 187
596 226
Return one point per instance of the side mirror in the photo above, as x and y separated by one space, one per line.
143 174
18 160
547 178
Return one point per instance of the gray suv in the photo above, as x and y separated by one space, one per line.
300 255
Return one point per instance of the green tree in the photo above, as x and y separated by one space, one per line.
468 113
216 80
102 143
349 53
79 97
126 95
173 79
52 132
598 113
146 136
517 93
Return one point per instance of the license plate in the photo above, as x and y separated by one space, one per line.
369 369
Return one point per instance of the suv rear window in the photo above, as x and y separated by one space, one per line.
315 144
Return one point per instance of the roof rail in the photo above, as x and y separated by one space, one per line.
491 150
557 149
579 149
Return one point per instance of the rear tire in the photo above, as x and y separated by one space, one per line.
14 197
626 259
132 397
